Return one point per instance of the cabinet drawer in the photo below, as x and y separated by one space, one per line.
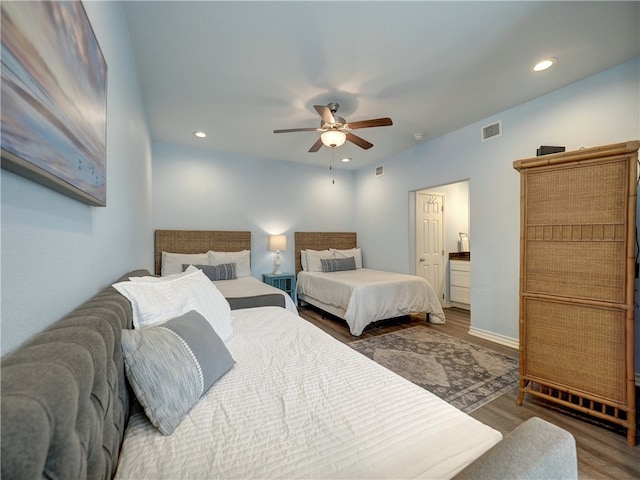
460 279
460 265
460 294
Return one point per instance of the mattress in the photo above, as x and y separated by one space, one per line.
366 295
300 404
247 287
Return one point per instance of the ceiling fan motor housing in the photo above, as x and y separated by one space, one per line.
339 122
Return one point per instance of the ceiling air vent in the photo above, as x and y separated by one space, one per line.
379 171
491 131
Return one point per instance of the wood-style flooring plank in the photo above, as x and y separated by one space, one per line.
603 452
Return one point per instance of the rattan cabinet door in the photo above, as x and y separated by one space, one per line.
577 273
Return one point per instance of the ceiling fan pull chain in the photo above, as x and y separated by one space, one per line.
333 173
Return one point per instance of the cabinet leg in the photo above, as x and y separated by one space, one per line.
520 399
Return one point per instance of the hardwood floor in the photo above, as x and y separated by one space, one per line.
603 452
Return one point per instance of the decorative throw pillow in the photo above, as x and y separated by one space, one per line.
224 271
156 301
171 365
242 259
338 264
172 262
352 252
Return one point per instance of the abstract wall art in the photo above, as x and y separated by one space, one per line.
54 98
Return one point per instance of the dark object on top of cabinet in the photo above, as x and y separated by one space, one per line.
546 150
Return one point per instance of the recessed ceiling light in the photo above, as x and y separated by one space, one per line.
199 134
544 64
418 136
346 160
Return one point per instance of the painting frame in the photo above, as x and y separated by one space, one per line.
54 98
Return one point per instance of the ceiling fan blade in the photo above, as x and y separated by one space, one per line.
288 130
374 122
316 146
361 142
325 113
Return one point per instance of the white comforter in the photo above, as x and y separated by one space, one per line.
250 286
299 404
367 295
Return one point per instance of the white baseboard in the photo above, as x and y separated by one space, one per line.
494 337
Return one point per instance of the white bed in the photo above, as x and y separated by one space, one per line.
359 296
299 404
252 287
201 247
363 296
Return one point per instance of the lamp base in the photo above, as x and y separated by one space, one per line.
276 270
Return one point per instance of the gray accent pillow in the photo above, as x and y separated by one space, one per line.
171 365
338 264
224 271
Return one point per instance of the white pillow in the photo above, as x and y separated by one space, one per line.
242 259
303 260
314 257
155 302
167 278
172 262
352 252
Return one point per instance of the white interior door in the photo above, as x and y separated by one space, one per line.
429 241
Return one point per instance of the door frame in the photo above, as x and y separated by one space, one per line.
413 232
442 296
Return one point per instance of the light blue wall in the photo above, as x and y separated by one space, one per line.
600 110
58 252
200 189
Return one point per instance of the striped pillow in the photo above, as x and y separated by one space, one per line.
171 365
338 264
224 271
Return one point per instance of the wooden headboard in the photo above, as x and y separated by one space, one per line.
198 241
323 241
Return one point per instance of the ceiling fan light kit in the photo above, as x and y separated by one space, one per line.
333 138
335 130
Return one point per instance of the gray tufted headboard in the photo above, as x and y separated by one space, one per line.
65 398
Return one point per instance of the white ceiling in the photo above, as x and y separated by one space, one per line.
238 70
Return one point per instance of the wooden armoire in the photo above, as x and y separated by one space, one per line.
577 280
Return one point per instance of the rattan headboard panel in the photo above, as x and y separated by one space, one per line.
322 241
198 241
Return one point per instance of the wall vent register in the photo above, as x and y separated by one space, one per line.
491 131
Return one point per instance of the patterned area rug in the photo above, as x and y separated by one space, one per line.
465 375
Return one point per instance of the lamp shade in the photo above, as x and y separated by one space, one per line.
333 138
277 242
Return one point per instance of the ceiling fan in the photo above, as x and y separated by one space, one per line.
335 130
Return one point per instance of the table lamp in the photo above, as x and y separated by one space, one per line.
277 243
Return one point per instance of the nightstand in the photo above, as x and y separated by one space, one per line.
284 281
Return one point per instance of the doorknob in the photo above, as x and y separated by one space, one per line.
422 259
